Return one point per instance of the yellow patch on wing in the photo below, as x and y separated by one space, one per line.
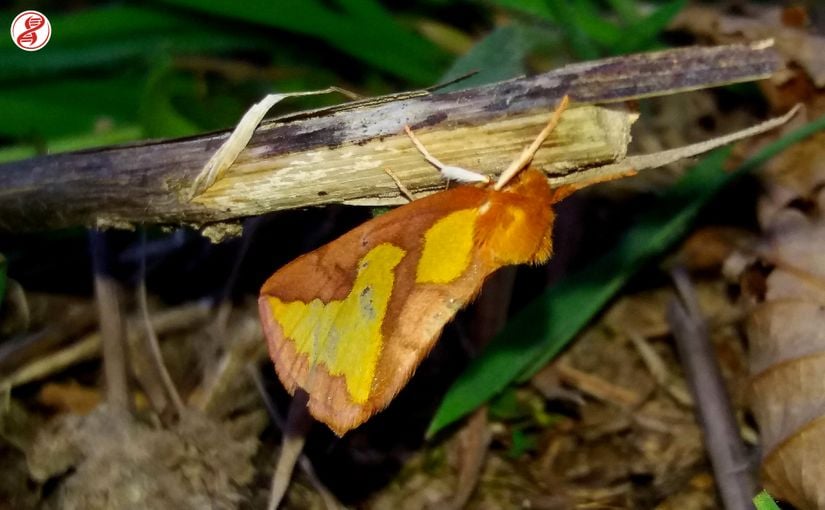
448 248
345 335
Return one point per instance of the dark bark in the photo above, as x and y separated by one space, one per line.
147 182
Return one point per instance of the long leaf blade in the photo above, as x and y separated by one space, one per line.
387 45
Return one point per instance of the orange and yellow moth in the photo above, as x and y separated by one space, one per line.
350 322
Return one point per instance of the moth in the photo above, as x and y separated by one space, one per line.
349 322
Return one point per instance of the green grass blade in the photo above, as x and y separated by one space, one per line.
595 25
500 55
783 143
532 8
66 107
568 21
367 32
626 9
128 32
764 501
123 134
644 34
547 324
158 114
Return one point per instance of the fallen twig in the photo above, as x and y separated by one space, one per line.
112 328
151 341
89 346
337 155
734 478
303 461
295 432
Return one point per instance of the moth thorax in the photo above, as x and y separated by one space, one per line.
531 184
516 231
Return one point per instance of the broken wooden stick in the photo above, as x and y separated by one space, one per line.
338 154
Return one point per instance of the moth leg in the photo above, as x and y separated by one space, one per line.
403 189
527 154
455 173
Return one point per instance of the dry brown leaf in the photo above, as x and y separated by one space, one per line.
786 325
707 248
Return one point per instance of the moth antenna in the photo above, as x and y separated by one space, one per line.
455 173
403 189
527 154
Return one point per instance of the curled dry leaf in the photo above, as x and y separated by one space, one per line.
784 278
786 326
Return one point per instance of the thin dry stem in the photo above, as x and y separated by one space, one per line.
662 158
727 453
297 426
153 346
112 327
89 346
303 461
335 155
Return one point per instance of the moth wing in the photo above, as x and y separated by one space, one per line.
462 247
320 311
